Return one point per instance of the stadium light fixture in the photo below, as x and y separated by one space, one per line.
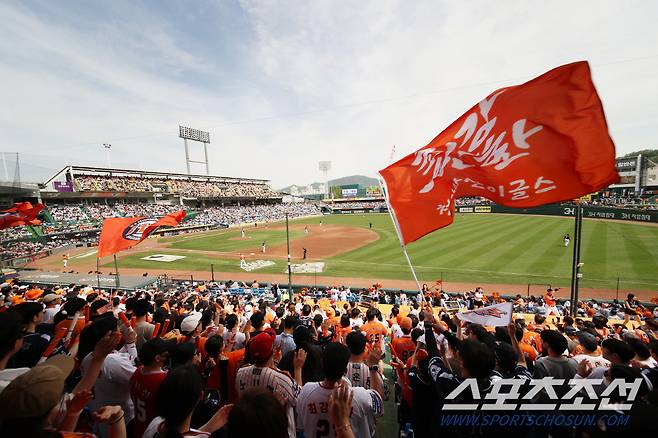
186 134
325 167
108 148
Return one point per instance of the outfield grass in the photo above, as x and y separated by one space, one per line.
487 248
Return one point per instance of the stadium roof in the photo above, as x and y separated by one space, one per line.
148 173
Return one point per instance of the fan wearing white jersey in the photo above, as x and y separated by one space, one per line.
313 414
358 372
263 374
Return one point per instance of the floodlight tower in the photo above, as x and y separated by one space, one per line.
196 135
108 148
325 167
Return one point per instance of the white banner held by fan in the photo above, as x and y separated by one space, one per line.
496 315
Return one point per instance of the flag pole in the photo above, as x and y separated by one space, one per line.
382 186
116 269
289 268
98 278
575 266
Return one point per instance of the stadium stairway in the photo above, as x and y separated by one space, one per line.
48 216
36 230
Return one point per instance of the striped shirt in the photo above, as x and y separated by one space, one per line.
275 381
358 374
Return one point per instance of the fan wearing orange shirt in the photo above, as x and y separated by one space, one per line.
332 320
403 347
64 320
343 330
550 303
525 346
373 329
531 337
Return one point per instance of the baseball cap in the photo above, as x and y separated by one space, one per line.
405 323
33 294
261 347
50 298
153 347
570 331
34 393
190 323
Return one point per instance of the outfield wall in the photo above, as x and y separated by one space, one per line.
567 210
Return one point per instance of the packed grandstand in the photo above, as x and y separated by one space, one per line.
78 198
236 359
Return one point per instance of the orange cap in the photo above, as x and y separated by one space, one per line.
33 294
405 323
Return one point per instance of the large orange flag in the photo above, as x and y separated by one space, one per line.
532 144
119 234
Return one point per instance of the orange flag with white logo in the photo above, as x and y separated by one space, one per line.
536 143
119 234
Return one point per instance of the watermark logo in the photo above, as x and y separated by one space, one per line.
553 394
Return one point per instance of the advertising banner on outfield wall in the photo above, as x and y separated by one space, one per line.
570 210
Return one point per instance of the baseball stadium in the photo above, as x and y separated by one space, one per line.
160 281
347 241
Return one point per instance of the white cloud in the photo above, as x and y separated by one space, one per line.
320 80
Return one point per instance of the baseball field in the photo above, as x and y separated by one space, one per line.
512 251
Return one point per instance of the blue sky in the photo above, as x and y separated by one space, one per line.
282 85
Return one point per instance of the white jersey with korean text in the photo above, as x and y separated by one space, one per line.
313 411
358 374
275 381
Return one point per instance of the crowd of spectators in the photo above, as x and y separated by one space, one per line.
10 250
357 205
631 203
68 213
257 213
182 186
241 360
14 242
472 200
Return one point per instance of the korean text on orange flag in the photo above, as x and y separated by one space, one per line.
522 146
